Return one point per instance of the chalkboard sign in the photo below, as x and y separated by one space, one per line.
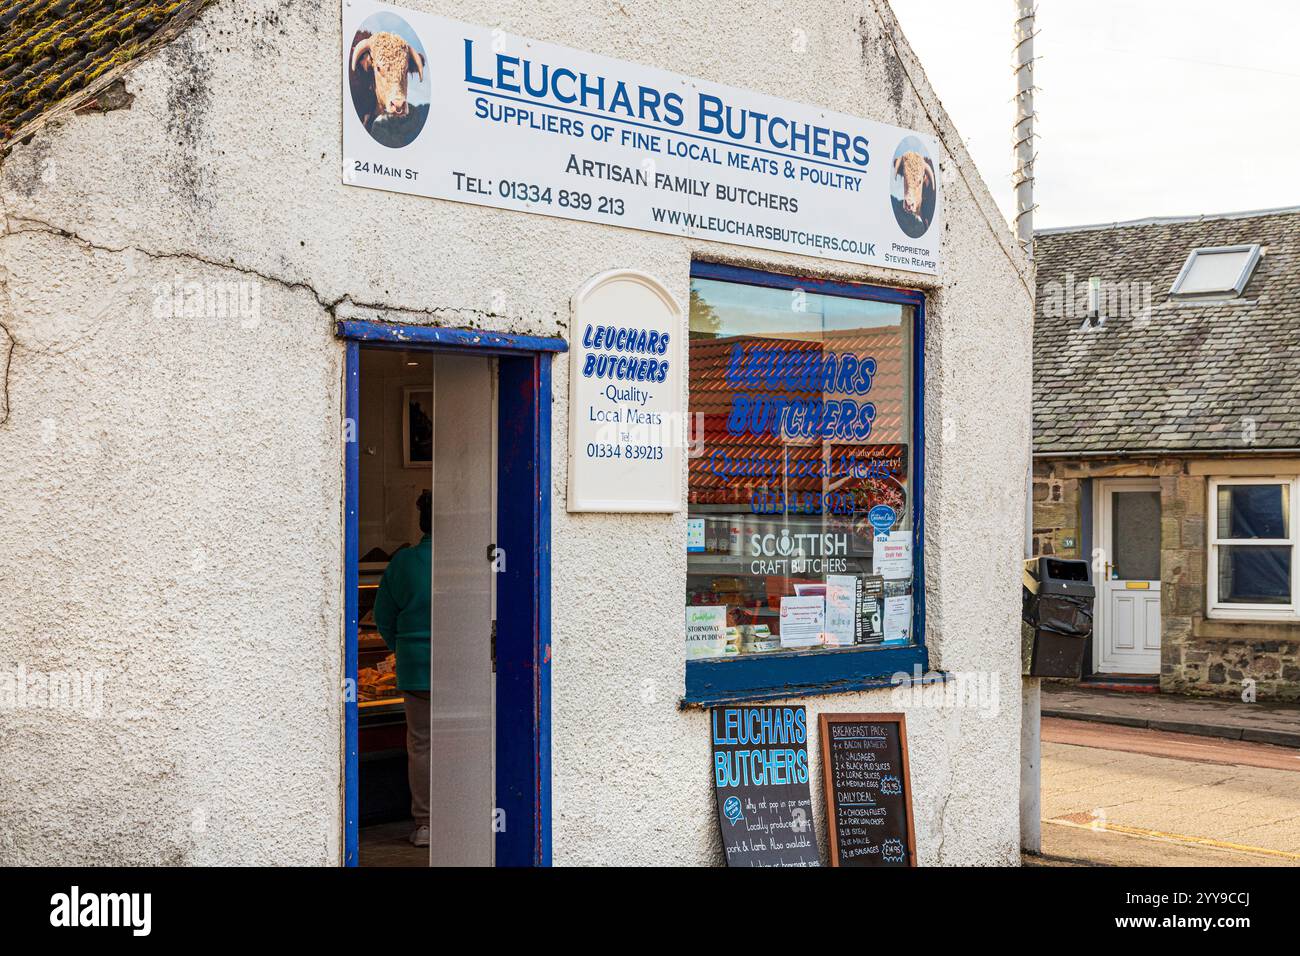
760 779
868 791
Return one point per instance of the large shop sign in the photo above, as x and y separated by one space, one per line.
438 108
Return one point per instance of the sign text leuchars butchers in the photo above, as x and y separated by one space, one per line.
439 108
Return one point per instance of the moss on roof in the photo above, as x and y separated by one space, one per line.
52 49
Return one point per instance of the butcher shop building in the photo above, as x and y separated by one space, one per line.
498 410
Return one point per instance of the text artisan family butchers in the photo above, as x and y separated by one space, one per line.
686 185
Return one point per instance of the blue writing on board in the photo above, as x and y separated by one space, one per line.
771 746
541 81
629 348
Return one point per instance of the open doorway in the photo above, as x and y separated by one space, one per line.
465 415
426 604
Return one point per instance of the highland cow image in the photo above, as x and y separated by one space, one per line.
388 79
914 187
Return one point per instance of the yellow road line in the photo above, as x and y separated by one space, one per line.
1174 838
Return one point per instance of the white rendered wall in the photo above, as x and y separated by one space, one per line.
170 512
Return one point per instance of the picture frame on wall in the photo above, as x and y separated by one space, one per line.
417 426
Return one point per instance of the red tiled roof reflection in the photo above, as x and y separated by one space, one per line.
786 461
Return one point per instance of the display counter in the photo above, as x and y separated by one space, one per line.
381 717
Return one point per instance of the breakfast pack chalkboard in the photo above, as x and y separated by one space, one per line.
868 791
760 779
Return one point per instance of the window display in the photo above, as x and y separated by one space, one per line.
800 511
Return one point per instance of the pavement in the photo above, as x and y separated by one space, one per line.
1260 722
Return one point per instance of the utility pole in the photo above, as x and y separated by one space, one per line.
1031 836
1023 132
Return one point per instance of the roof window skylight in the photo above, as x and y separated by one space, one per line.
1217 272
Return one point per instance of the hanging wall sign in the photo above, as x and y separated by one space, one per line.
760 778
439 108
868 791
626 426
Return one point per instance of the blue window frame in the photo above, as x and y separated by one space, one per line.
794 673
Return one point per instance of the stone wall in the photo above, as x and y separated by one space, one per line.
1197 655
1183 663
1258 666
1203 656
1058 528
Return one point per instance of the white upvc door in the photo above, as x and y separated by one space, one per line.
1126 636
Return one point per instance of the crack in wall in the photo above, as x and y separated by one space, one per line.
18 225
949 733
10 343
329 305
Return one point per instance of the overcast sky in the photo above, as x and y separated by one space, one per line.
1145 107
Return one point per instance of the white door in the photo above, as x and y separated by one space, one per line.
1126 637
461 679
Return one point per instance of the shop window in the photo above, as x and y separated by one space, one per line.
1252 548
803 533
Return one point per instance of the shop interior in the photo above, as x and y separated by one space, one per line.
426 428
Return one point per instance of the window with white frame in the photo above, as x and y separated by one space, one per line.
1215 273
1252 544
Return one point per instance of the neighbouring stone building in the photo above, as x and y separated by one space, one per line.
1167 444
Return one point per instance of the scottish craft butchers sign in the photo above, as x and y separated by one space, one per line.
439 108
760 779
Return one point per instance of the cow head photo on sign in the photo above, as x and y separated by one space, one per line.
388 79
913 187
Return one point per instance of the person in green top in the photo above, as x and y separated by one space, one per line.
402 616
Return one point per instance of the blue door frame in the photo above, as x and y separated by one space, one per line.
523 711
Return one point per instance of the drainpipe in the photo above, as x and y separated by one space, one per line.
1031 837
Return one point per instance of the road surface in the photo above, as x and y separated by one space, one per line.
1125 796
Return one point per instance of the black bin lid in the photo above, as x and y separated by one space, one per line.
1073 570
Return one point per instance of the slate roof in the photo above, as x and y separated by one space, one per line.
52 49
1192 376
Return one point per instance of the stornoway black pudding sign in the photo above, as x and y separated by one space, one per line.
868 792
760 779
